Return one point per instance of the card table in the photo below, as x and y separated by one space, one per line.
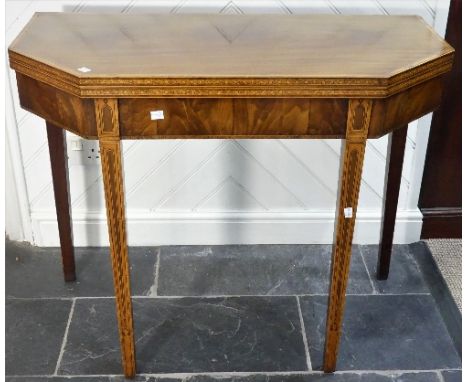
151 76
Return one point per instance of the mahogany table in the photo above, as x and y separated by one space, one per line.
113 77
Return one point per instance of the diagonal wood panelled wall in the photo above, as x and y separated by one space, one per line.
236 191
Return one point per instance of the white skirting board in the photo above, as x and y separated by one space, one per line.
151 229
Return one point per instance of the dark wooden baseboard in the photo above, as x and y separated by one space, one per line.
441 223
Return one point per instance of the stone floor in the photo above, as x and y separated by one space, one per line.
232 313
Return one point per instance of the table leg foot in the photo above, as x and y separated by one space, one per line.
59 166
351 170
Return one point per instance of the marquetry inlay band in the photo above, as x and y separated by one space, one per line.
107 117
230 87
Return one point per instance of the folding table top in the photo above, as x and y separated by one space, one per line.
356 55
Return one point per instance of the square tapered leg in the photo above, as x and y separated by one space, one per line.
394 167
59 165
111 160
350 180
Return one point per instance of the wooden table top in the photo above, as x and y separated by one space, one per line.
229 56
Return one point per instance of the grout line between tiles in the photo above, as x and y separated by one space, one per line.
245 373
153 290
218 296
65 337
275 295
440 376
156 279
374 290
304 336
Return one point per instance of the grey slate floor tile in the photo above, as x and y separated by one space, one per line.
37 272
34 334
338 377
258 270
79 379
416 377
404 276
383 332
452 375
223 334
189 335
76 379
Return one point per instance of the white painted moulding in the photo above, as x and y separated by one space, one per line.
217 228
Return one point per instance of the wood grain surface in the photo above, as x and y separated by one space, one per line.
233 117
227 117
351 169
59 107
229 56
398 110
111 161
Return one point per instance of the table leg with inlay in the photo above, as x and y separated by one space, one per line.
359 112
107 119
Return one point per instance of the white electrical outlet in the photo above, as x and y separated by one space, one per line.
83 152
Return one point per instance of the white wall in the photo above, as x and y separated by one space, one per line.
213 191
